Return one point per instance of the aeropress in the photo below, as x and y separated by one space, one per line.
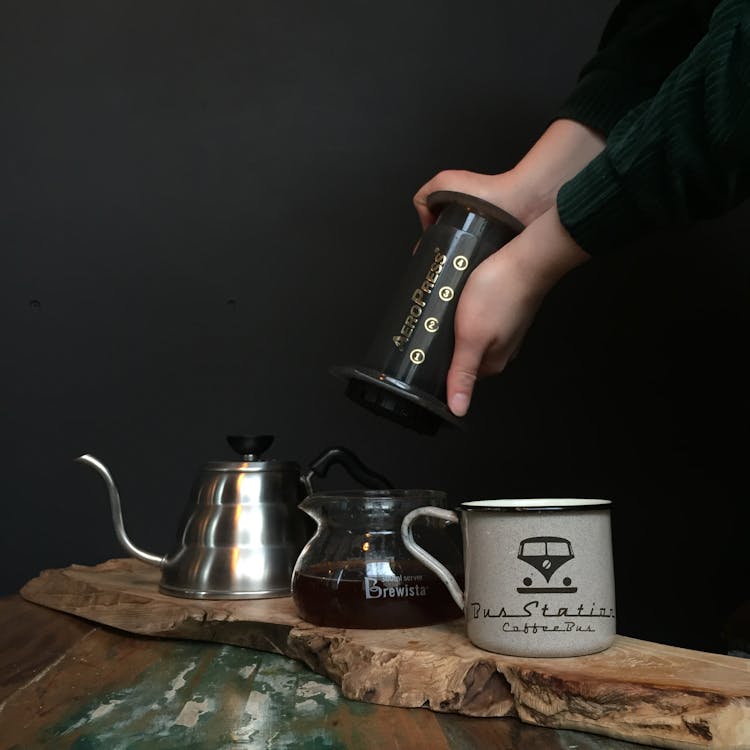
404 372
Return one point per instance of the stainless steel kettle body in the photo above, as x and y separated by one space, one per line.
242 531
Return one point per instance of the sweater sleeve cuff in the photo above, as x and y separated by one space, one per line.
601 98
597 211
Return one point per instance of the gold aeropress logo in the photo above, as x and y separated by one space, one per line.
419 300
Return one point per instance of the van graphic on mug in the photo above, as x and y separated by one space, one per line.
546 554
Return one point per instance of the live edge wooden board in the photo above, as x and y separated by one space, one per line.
636 690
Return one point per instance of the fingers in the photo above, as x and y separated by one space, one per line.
426 217
494 311
462 376
457 180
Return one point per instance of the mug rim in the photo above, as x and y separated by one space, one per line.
505 505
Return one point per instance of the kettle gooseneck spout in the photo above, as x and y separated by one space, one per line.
114 499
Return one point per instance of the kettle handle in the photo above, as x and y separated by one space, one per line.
353 465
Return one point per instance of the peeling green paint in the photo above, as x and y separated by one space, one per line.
211 696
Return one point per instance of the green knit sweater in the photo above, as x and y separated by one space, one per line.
670 88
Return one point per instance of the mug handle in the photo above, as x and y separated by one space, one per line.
425 557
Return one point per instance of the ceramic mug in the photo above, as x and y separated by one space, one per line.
539 574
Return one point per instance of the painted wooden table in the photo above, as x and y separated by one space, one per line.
66 682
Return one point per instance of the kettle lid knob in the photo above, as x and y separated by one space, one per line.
250 446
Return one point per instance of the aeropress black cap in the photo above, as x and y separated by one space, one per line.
404 372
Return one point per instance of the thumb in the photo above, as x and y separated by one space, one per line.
462 376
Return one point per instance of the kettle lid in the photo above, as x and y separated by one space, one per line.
250 448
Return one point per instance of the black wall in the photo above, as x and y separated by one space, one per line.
204 206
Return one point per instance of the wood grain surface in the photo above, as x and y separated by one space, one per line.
69 684
636 691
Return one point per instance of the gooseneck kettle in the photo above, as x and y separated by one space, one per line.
242 530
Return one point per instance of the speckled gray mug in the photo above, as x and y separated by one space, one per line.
539 574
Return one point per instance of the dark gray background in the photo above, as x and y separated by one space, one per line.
205 205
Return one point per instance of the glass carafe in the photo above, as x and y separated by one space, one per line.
355 572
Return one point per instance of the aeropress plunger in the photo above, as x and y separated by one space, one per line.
404 373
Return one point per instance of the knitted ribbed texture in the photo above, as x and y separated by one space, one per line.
641 44
601 98
677 157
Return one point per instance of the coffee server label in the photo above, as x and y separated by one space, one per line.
394 587
419 299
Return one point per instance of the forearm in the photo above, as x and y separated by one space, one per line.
641 44
559 154
543 253
680 157
529 189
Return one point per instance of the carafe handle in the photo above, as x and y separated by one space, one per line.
353 465
425 557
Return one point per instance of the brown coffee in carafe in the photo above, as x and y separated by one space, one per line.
356 572
372 595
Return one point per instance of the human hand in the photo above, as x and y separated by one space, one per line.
501 190
503 294
500 300
530 188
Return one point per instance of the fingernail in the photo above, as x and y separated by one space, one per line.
459 404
